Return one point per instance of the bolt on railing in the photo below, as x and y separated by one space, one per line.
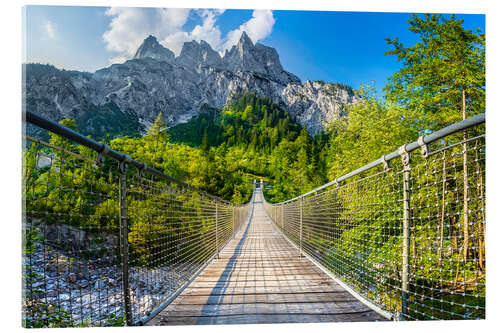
407 240
108 244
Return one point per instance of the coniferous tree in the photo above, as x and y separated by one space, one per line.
247 114
442 80
158 127
204 142
157 133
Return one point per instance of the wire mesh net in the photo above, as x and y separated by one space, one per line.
173 233
101 248
71 253
436 270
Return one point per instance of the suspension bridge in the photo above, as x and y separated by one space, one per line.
260 277
111 241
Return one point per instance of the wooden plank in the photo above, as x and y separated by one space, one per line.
267 319
223 276
260 290
259 278
252 266
341 296
181 309
261 272
255 284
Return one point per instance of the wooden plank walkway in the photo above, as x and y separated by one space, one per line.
259 278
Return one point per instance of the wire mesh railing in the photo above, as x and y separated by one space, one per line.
408 239
108 241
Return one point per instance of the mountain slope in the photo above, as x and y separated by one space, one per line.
181 87
246 121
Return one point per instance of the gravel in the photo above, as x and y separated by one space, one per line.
91 292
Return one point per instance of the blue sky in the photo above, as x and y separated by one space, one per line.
346 47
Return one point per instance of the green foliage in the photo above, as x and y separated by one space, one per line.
440 74
248 133
370 129
45 315
196 129
334 87
248 121
247 114
158 128
443 70
107 121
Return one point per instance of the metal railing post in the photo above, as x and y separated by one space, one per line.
301 210
124 241
217 229
406 159
234 230
282 217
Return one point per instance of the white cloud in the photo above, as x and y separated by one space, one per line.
50 29
129 27
258 27
207 31
118 60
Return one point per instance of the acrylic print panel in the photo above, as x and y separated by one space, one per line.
210 166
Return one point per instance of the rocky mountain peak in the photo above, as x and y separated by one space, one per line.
246 56
150 48
245 43
240 51
194 55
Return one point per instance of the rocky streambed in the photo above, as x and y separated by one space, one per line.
90 292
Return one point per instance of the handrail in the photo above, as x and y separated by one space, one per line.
143 231
407 239
103 149
426 139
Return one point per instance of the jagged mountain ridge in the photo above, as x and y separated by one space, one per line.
152 49
180 87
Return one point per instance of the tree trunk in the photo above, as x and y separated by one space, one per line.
454 232
466 186
413 237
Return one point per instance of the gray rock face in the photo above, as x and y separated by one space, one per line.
180 88
195 56
258 59
316 104
150 48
